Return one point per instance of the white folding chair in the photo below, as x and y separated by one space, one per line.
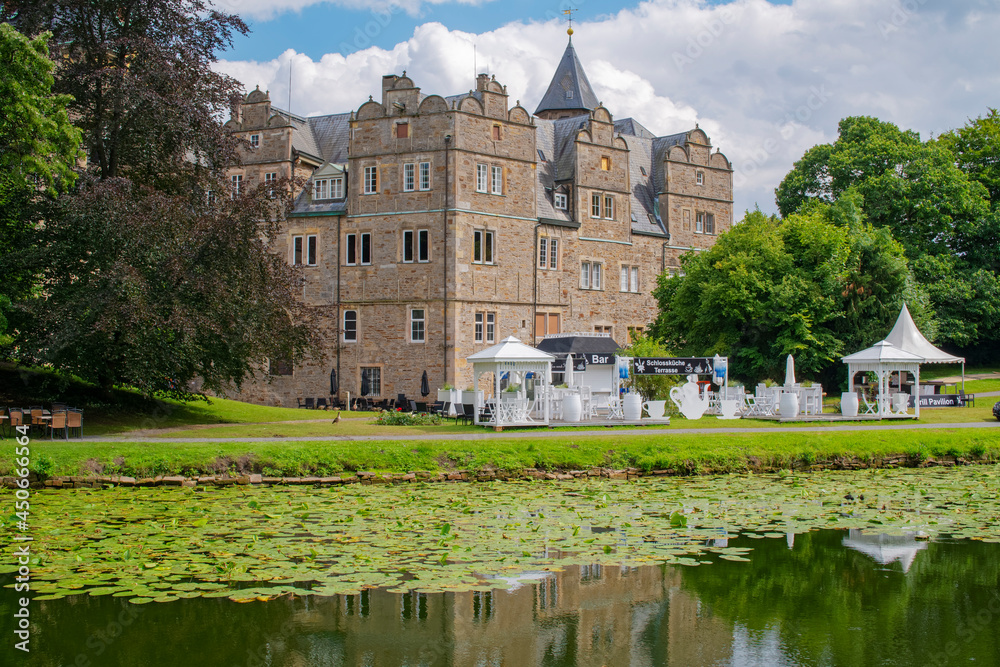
615 409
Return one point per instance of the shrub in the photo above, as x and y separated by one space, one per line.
405 419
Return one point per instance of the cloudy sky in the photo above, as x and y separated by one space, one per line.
767 80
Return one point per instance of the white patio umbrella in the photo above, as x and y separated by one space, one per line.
569 369
790 371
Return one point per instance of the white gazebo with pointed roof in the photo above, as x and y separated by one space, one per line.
511 356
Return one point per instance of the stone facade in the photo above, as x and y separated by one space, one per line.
433 227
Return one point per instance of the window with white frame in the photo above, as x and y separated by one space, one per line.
548 253
409 177
485 327
371 379
321 188
562 202
595 205
304 250
350 325
371 180
358 249
337 187
609 207
491 325
417 333
699 178
590 275
416 246
269 180
496 180
254 140
237 184
482 175
210 198
699 222
482 247
425 175
629 279
480 325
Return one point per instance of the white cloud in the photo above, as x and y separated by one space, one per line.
765 81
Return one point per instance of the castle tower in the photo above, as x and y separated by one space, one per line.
569 93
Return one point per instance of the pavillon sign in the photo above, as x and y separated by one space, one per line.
672 365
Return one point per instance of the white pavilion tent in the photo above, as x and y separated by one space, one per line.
514 357
906 336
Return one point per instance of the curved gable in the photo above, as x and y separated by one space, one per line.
433 104
371 109
471 105
719 160
601 114
678 154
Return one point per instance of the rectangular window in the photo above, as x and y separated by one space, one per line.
699 222
496 133
409 177
481 177
709 223
254 140
634 285
546 323
630 279
425 175
602 329
321 188
312 250
561 201
623 284
605 163
423 246
585 275
408 246
371 379
350 325
700 178
417 325
210 198
237 184
351 249
497 180
371 180
482 247
402 130
609 207
296 250
269 180
553 253
543 253
366 248
337 188
491 319
595 276
479 327
595 205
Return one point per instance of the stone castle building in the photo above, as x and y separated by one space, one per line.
433 227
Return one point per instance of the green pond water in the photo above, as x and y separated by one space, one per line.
862 568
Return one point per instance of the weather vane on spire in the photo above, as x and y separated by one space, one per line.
569 13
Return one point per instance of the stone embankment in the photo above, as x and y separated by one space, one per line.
528 474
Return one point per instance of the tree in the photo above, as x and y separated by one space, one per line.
816 285
151 290
140 74
936 202
38 148
142 280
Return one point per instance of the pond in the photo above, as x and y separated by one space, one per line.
879 567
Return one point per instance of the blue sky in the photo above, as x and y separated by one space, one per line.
767 80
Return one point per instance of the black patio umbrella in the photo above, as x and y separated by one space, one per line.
365 385
425 387
334 385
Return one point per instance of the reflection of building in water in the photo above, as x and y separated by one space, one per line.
592 614
885 548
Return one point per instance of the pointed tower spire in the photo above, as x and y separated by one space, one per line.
569 93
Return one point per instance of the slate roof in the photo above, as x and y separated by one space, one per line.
578 344
569 89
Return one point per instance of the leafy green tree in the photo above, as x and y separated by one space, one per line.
815 285
38 148
935 201
150 290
